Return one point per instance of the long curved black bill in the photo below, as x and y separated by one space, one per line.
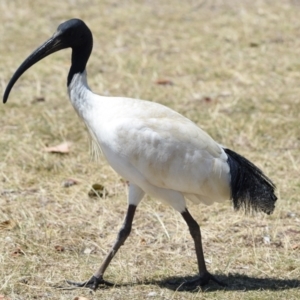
55 43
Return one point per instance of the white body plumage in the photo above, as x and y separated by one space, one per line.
153 147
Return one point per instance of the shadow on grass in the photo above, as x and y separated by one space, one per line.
235 282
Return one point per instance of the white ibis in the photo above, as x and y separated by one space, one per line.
156 149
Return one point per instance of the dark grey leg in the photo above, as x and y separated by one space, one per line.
124 232
194 228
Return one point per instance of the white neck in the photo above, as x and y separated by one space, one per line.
79 93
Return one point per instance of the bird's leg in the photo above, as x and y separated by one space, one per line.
204 275
124 232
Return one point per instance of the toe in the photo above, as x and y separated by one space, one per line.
200 281
92 283
213 278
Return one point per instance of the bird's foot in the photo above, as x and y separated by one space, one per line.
201 280
92 284
204 279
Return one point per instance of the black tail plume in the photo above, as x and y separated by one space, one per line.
250 188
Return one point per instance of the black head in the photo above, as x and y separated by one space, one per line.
71 34
74 33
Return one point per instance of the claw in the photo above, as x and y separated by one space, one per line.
213 278
92 283
202 280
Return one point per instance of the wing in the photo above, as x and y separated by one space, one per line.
166 148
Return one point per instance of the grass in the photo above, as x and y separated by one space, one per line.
235 70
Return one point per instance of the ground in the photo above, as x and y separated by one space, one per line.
230 66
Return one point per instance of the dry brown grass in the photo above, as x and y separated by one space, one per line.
236 72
